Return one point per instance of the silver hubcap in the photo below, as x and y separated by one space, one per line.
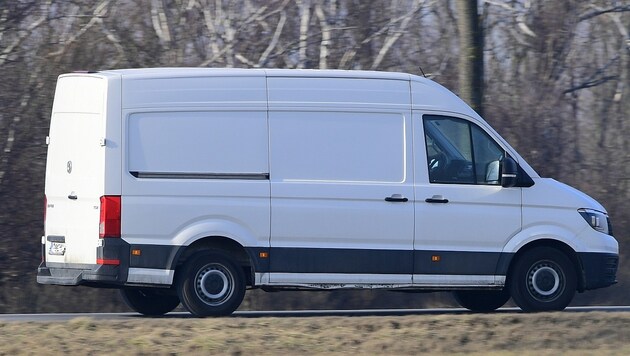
214 284
545 281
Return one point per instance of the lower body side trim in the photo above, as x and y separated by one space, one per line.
150 276
378 281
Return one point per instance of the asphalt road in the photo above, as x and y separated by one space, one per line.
283 314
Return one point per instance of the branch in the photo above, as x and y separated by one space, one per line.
615 18
5 53
160 23
242 59
597 78
591 83
597 12
323 46
500 4
214 46
311 39
351 52
274 39
217 55
116 42
97 17
390 40
15 19
305 9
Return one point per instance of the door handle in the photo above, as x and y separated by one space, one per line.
397 198
436 199
72 196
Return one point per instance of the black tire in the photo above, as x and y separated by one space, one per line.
149 301
211 284
482 300
543 279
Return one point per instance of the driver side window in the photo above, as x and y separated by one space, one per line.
460 152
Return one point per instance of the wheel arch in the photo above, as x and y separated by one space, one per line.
225 245
558 245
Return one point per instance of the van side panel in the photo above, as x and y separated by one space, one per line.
338 148
197 142
196 166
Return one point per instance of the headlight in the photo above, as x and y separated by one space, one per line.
598 220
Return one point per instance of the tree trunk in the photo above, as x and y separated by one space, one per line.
471 54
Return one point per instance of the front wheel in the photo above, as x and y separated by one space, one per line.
211 284
482 300
149 301
543 279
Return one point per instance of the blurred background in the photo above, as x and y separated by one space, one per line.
552 77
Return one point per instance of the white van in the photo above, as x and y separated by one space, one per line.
193 185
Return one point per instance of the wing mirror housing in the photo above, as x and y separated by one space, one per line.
509 172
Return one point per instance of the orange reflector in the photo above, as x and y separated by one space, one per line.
263 254
435 258
136 252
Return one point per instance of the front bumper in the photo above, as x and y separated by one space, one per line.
599 269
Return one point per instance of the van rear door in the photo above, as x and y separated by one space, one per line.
75 170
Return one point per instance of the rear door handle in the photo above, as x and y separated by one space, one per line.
397 198
72 196
436 199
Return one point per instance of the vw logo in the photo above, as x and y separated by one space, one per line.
69 167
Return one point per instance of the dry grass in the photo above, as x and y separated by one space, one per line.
545 333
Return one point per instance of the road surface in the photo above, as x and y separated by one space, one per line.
284 314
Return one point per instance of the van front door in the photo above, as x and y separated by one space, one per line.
463 215
341 199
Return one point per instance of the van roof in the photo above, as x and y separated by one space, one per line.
426 93
200 72
433 95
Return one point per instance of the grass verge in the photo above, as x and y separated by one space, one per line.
501 333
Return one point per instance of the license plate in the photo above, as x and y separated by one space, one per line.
57 248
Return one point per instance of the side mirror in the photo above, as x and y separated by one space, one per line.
509 172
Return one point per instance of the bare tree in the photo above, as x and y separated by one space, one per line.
471 54
556 81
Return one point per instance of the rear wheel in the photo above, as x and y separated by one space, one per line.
149 301
482 300
211 284
543 279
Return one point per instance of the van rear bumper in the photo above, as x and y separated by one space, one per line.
111 267
600 269
75 274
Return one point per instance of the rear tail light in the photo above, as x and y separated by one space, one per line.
109 262
109 224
